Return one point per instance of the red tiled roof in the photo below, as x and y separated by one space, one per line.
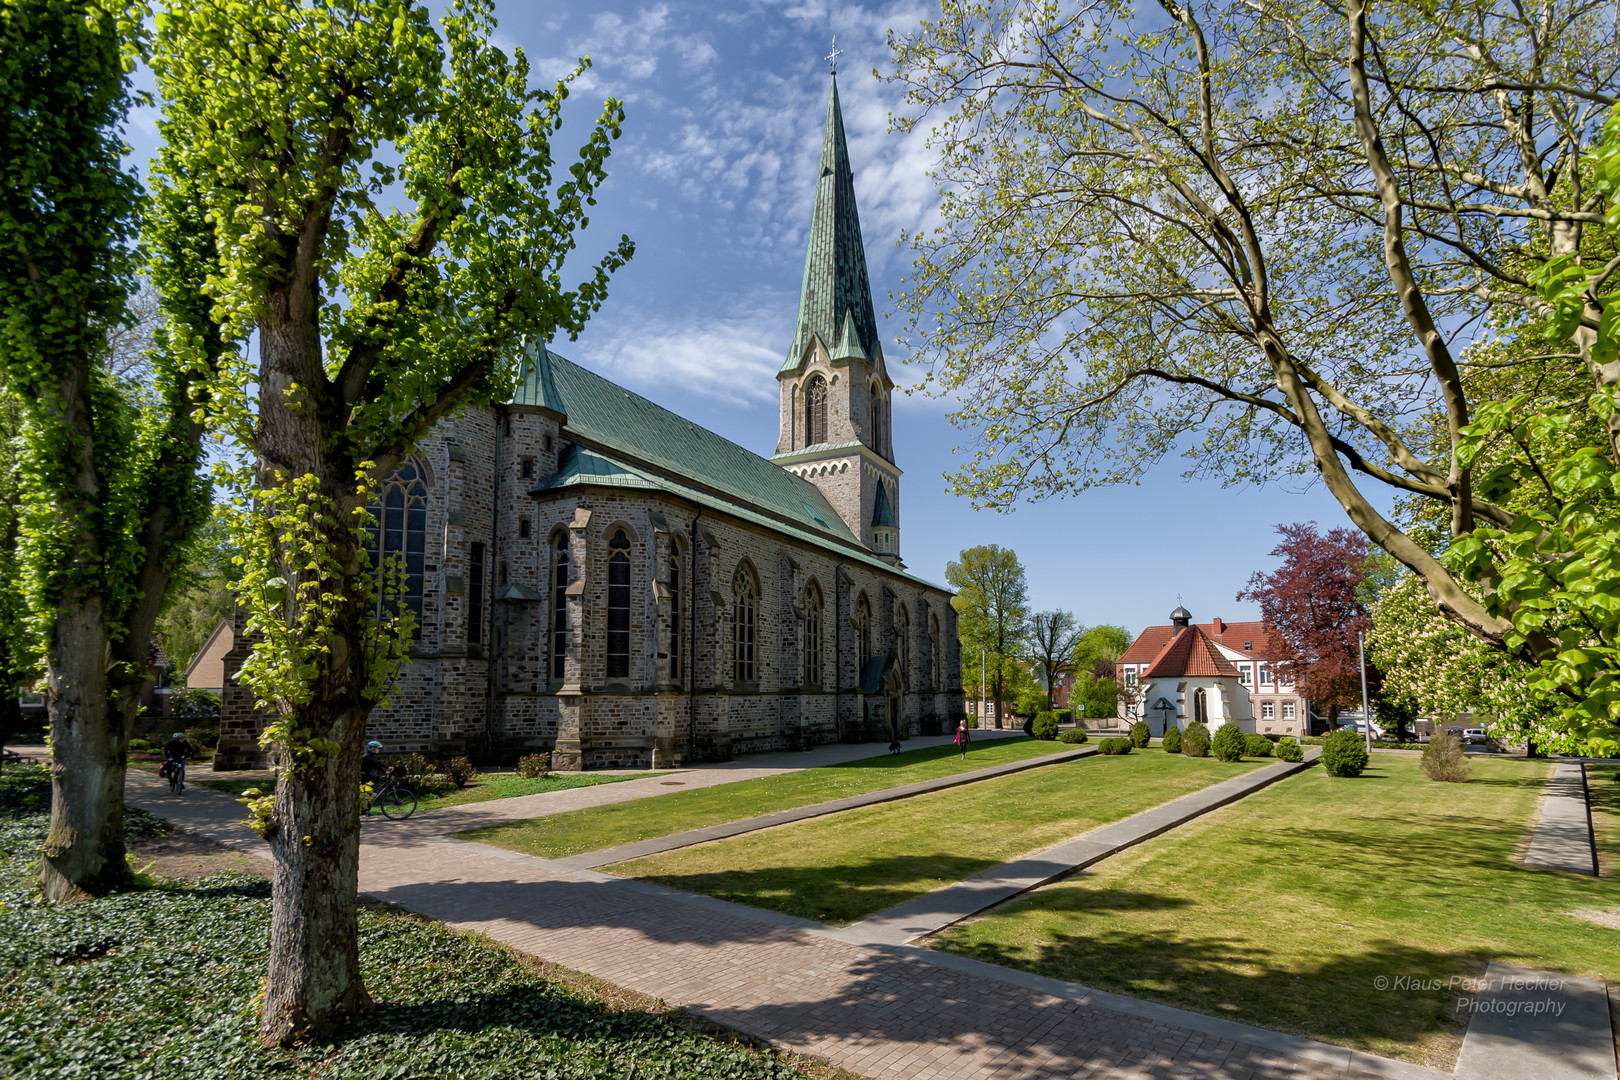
1191 653
1264 644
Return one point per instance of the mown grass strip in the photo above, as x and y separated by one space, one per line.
560 835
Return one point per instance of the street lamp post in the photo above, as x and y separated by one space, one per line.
1366 714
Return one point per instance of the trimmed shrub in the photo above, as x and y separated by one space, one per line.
1288 749
205 737
1074 737
1045 727
1140 733
460 771
1064 716
430 784
1227 745
1115 745
972 723
1172 740
413 765
1344 753
1443 759
139 744
1195 740
534 766
1256 746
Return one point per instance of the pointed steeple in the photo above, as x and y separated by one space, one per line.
836 289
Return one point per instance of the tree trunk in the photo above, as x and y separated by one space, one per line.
314 988
84 848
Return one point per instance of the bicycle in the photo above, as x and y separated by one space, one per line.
177 777
394 800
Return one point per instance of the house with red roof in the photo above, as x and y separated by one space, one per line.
1224 671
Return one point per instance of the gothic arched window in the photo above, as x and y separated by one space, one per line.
902 636
863 627
744 625
815 411
936 653
400 528
877 418
1201 706
618 606
559 604
675 612
810 635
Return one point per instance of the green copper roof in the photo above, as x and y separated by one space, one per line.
629 426
882 512
835 280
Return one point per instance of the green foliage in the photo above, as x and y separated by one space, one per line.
1444 759
1029 701
139 743
1140 733
1074 737
532 766
1172 740
1114 745
194 703
1064 716
460 771
201 595
1287 749
1195 740
1227 745
992 615
1098 646
1045 726
206 738
1255 745
1344 753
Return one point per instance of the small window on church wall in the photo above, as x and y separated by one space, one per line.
475 594
548 444
744 626
675 614
937 650
863 627
815 411
400 530
902 635
618 611
559 605
810 635
523 528
1201 706
528 468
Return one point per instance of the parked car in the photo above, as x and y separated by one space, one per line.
1475 735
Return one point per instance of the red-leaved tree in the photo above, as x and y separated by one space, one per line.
1312 602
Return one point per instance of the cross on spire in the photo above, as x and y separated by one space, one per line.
832 57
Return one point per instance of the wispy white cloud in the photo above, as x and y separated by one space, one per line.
732 358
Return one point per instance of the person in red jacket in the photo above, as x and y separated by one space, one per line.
963 738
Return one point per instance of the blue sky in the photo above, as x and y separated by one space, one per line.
713 180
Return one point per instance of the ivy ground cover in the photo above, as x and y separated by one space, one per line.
558 836
161 982
1338 908
844 867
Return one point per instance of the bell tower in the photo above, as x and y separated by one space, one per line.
834 425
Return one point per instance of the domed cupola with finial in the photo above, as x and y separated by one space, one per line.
834 426
1180 618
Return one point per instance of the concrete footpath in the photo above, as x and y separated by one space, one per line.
934 912
1563 836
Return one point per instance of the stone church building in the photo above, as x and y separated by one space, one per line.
599 577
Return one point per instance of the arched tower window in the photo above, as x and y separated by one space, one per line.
810 635
618 606
815 411
863 627
744 625
400 528
877 418
675 668
559 604
902 636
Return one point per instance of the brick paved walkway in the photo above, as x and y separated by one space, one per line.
886 1012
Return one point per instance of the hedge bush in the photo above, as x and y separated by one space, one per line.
460 771
1227 745
1256 746
1288 749
1064 716
1115 745
1344 753
1444 759
1140 733
191 704
205 737
1378 744
1074 737
534 766
162 982
1172 740
1195 740
1045 727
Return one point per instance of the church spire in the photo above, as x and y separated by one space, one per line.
836 289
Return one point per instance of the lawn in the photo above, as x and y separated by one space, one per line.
1305 906
561 835
844 867
162 981
486 787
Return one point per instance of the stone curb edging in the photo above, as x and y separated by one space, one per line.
933 912
1563 839
590 860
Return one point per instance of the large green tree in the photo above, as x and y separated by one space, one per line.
992 613
1263 235
391 223
109 487
1052 639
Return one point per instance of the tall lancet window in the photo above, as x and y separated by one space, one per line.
810 646
744 625
863 627
401 529
902 637
675 613
815 411
559 605
618 607
877 418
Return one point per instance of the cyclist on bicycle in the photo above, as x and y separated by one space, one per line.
373 769
175 752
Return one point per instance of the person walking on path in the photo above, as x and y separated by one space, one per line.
963 738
